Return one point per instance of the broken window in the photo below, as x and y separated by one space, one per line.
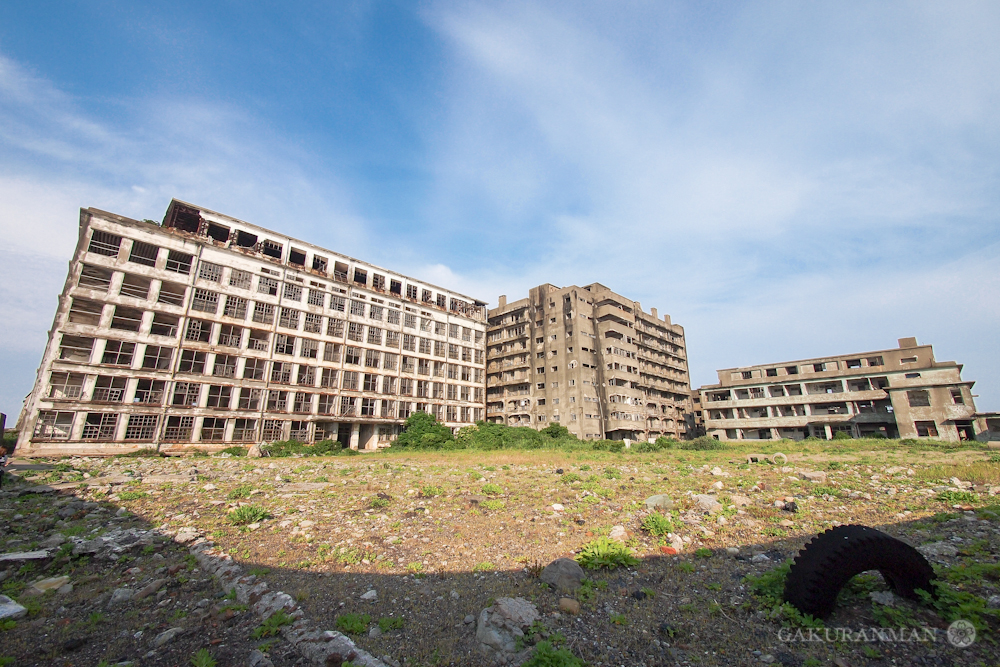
209 271
192 362
440 328
254 369
149 392
423 367
281 372
908 360
335 327
109 389
360 277
205 301
267 286
54 425
225 365
263 313
452 351
378 282
103 243
76 348
118 353
392 339
240 279
126 319
284 344
85 311
337 303
409 343
95 277
956 397
392 317
358 308
292 292
424 345
854 363
141 427
213 429
245 430
66 385
235 307
395 287
355 331
198 331
389 361
258 340
219 396
319 263
372 358
178 428
918 398
100 426
792 370
158 357
271 248
408 364
306 375
179 262
374 336
249 399
309 348
370 382
312 323
135 286
316 297
375 312
274 429
171 293
350 380
340 271
406 387
328 378
442 300
303 402
296 257
347 405
875 361
352 355
927 429
289 318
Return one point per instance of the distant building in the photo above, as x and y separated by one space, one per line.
898 393
588 359
210 331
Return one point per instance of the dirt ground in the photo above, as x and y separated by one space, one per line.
439 536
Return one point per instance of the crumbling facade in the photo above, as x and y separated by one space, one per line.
588 359
205 330
896 393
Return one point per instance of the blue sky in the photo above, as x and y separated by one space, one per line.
785 180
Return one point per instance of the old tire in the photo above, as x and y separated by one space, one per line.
831 558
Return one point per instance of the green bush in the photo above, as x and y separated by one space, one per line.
242 516
241 491
842 435
656 524
132 495
605 552
608 445
704 443
234 451
956 497
284 448
422 431
492 489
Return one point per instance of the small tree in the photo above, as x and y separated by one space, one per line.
555 431
422 431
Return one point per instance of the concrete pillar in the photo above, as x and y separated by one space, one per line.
355 435
829 431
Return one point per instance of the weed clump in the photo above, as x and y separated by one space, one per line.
242 516
605 552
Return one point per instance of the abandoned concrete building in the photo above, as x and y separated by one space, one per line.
897 393
205 330
588 359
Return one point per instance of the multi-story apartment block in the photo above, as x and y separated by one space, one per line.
205 330
588 359
897 393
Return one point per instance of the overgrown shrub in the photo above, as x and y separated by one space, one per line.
605 552
285 448
242 516
422 431
704 443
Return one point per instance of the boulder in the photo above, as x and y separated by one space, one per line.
563 574
618 533
500 625
706 503
10 609
815 476
255 451
740 501
569 605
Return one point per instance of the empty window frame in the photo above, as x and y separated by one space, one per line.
267 286
213 429
171 294
100 426
316 297
352 355
331 352
104 243
249 399
271 248
376 312
274 429
231 335
178 428
164 324
348 406
296 257
328 378
355 331
289 318
236 307
126 319
66 385
395 287
320 263
918 398
349 380
306 375
210 271
117 353
956 397
135 286
109 389
312 323
335 327
303 402
205 301
149 392
374 336
85 311
357 308
378 282
179 262
225 365
360 277
141 427
219 396
309 348
95 277
199 331
281 372
875 361
292 292
191 362
926 429
53 425
338 303
245 430
370 382
259 340
372 358
76 348
284 344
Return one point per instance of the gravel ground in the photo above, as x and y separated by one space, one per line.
439 536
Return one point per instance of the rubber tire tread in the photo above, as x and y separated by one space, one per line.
829 560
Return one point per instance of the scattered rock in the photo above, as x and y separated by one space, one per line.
993 602
716 470
166 636
816 476
706 503
569 605
120 596
52 541
149 589
563 574
556 507
50 584
732 551
255 451
883 597
760 558
501 624
786 523
740 501
371 595
938 549
186 534
10 609
790 507
717 486
24 555
618 533
258 659
659 501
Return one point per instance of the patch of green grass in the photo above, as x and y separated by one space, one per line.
605 552
272 626
431 491
657 524
132 495
570 477
485 566
957 497
703 552
612 473
618 619
686 567
378 502
773 531
492 489
241 491
493 505
353 624
768 589
7 624
546 655
387 623
202 658
242 516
